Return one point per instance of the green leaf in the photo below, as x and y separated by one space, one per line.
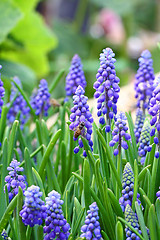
56 80
115 204
10 14
48 151
110 159
135 185
28 167
25 74
12 140
142 174
86 186
3 175
21 226
26 6
37 40
5 218
119 231
141 221
39 182
152 222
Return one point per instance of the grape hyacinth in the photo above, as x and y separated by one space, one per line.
19 105
5 235
91 230
2 92
138 124
120 134
144 142
154 111
75 76
34 210
128 187
107 88
14 180
131 218
81 118
41 101
56 226
144 80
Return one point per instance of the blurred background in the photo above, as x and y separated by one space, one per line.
39 38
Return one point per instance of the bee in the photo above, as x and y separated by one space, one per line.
54 102
79 129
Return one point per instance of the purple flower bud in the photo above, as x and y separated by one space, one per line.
144 141
132 219
138 124
128 185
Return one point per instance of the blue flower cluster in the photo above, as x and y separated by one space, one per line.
41 101
131 218
144 142
144 80
19 105
107 88
34 210
81 119
2 92
5 235
154 112
138 124
14 180
75 76
56 226
128 187
120 134
91 229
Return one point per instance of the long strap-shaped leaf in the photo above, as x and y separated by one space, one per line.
48 151
7 213
110 159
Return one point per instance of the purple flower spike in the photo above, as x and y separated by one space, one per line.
107 88
128 187
41 101
81 119
75 76
2 92
120 134
14 180
144 80
56 226
131 218
138 124
154 111
34 210
19 105
91 229
144 142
